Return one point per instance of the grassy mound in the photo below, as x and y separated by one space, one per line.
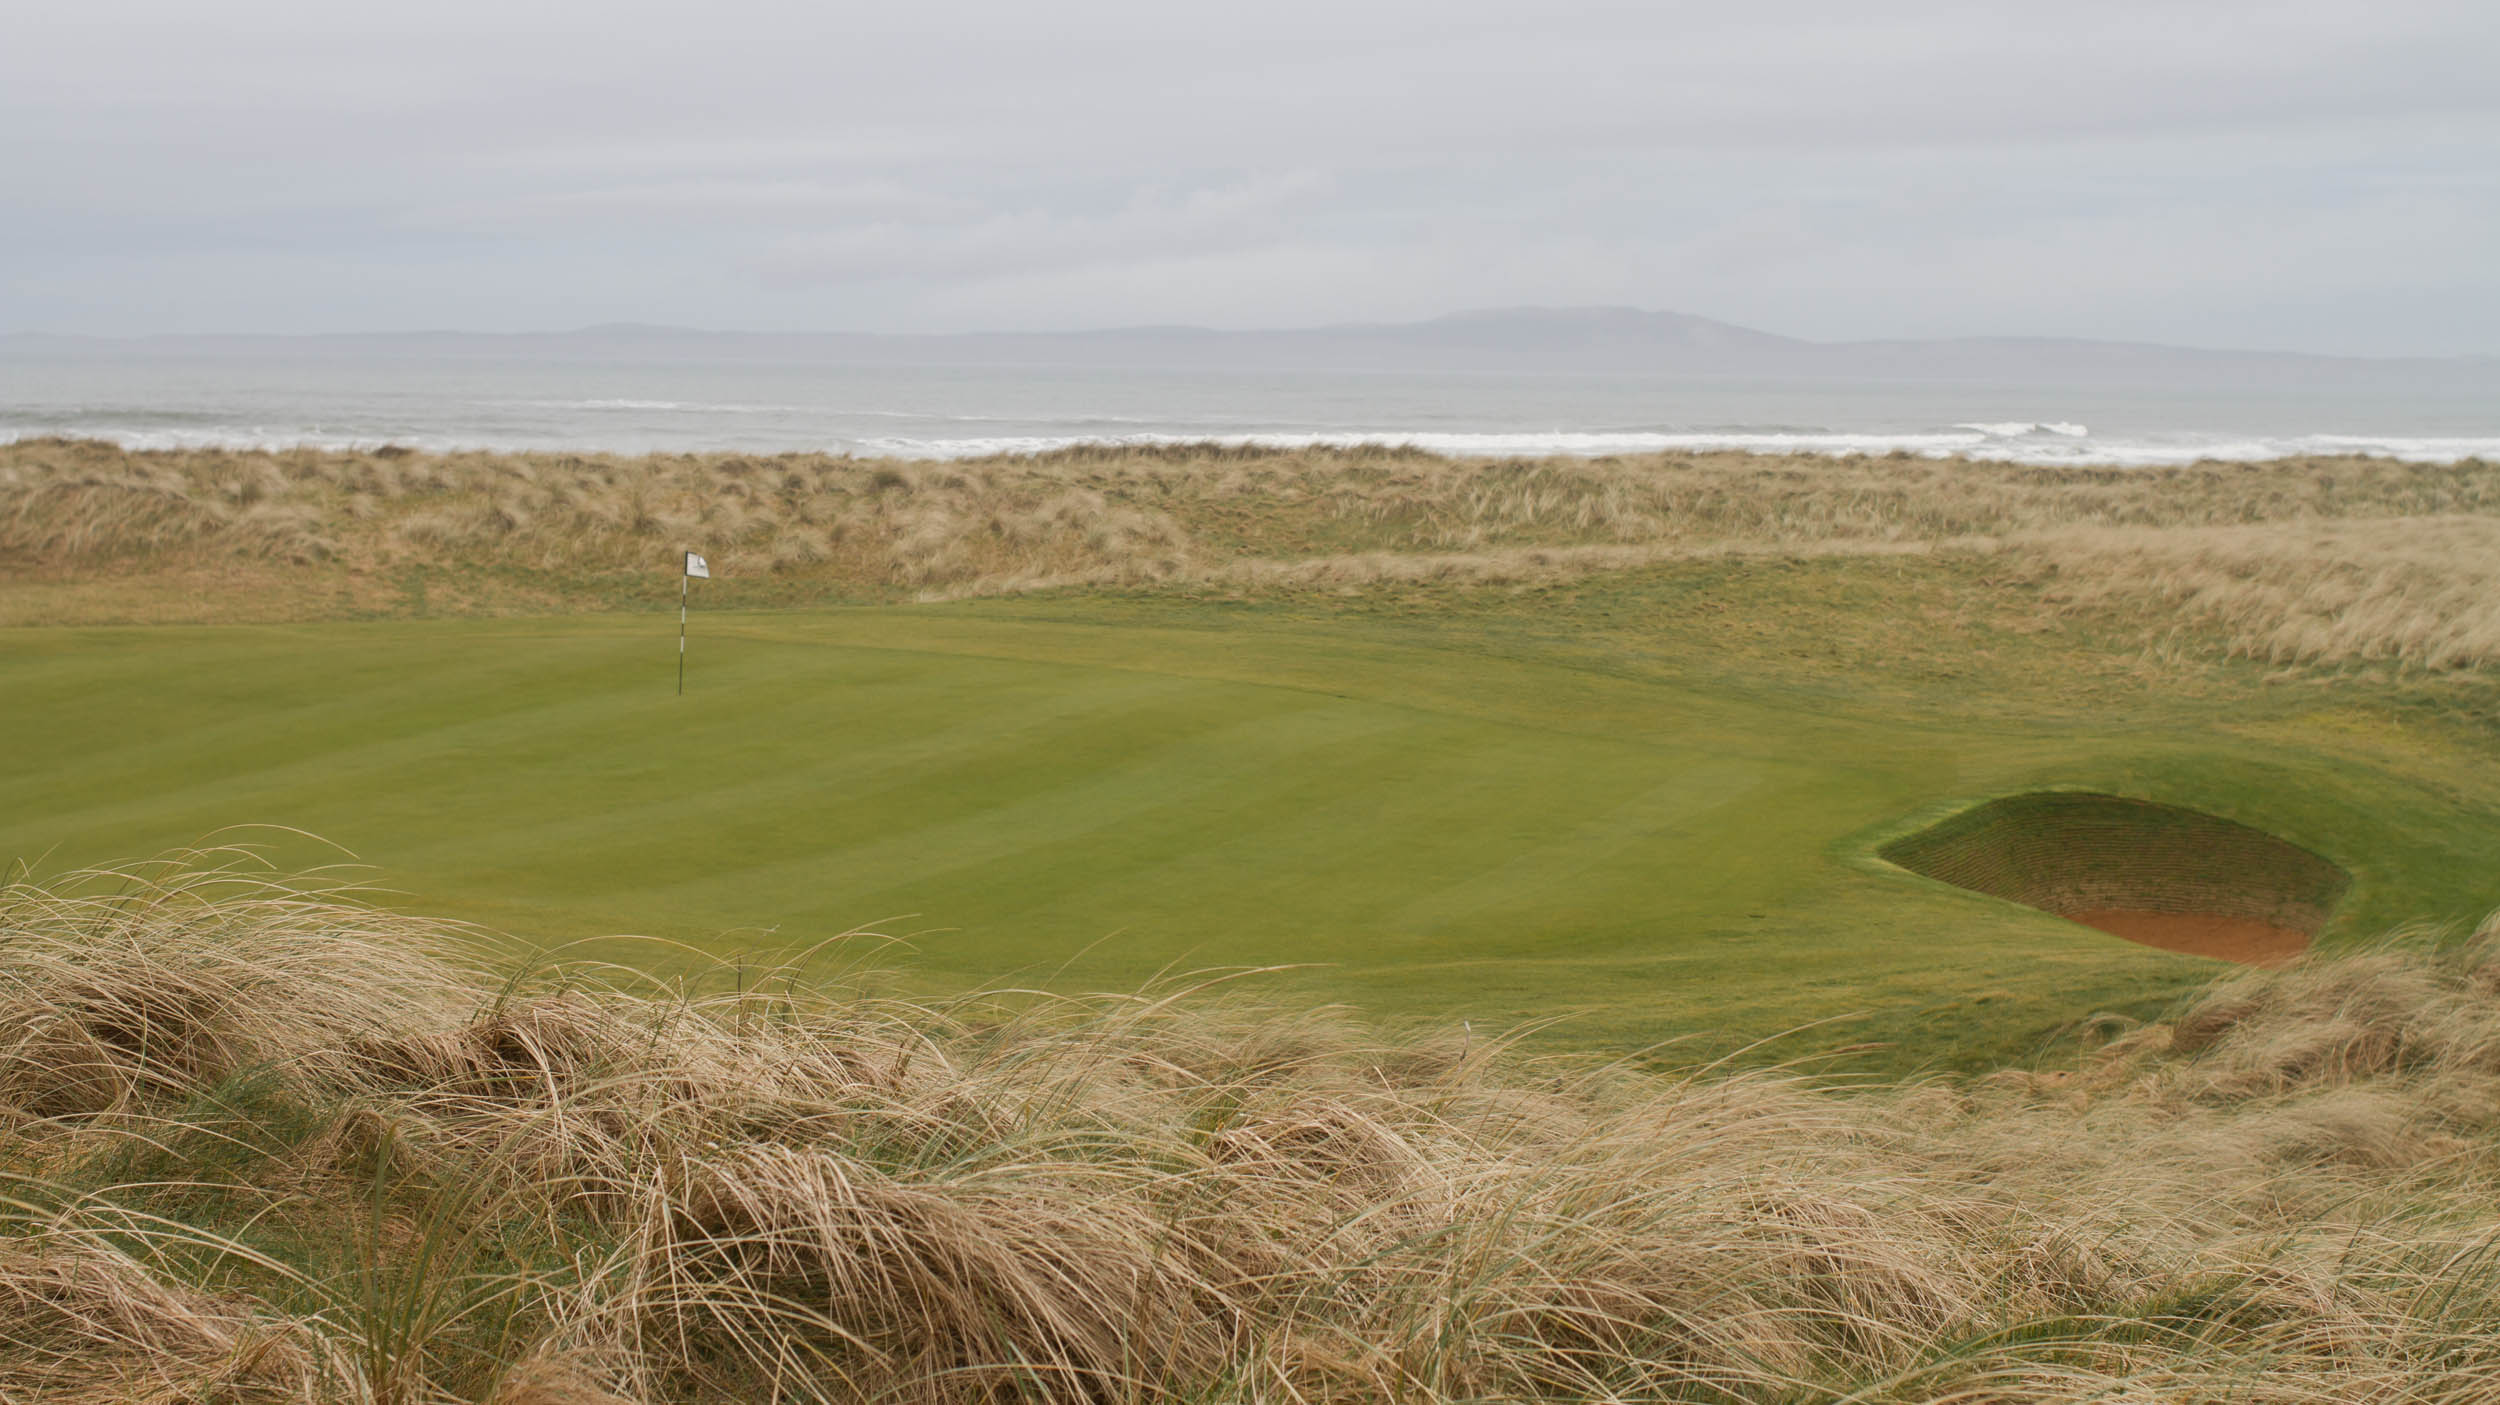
261 1146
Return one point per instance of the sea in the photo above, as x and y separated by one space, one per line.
941 412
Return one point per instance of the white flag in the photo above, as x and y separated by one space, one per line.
697 566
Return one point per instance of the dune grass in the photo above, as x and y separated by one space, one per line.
262 1142
2234 545
2423 590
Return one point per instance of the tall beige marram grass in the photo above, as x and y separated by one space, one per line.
898 524
264 1143
2330 560
2418 590
75 499
1121 513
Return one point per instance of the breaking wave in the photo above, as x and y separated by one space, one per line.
2025 443
2043 444
2015 429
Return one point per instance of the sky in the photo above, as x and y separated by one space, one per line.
2286 174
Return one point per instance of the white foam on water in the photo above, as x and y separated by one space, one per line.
706 407
242 439
2058 444
1546 444
2047 443
2009 429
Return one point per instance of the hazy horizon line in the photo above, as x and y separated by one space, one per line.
1555 316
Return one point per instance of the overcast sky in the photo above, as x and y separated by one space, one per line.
2317 176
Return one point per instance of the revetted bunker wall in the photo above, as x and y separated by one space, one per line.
2066 852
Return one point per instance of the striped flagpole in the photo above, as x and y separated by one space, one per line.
689 566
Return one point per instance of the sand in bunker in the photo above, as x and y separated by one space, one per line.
2200 934
2163 875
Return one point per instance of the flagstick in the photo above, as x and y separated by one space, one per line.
682 580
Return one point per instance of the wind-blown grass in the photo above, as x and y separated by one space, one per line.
2420 590
2216 544
262 1145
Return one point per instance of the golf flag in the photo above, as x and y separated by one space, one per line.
695 566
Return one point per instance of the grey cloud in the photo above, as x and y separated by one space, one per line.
2313 174
753 202
1151 223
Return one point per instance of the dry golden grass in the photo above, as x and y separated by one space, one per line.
2312 560
2420 590
262 1146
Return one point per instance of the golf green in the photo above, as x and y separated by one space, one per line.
1423 829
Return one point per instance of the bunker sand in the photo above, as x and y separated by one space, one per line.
2167 877
2238 939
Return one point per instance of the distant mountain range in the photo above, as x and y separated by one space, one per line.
1609 341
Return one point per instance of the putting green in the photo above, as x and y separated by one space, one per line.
1052 800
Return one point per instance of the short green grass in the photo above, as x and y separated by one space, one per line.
1619 803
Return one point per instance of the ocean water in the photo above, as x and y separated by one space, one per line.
947 412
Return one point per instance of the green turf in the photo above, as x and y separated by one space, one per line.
1083 794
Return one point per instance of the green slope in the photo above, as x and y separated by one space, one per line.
1443 832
